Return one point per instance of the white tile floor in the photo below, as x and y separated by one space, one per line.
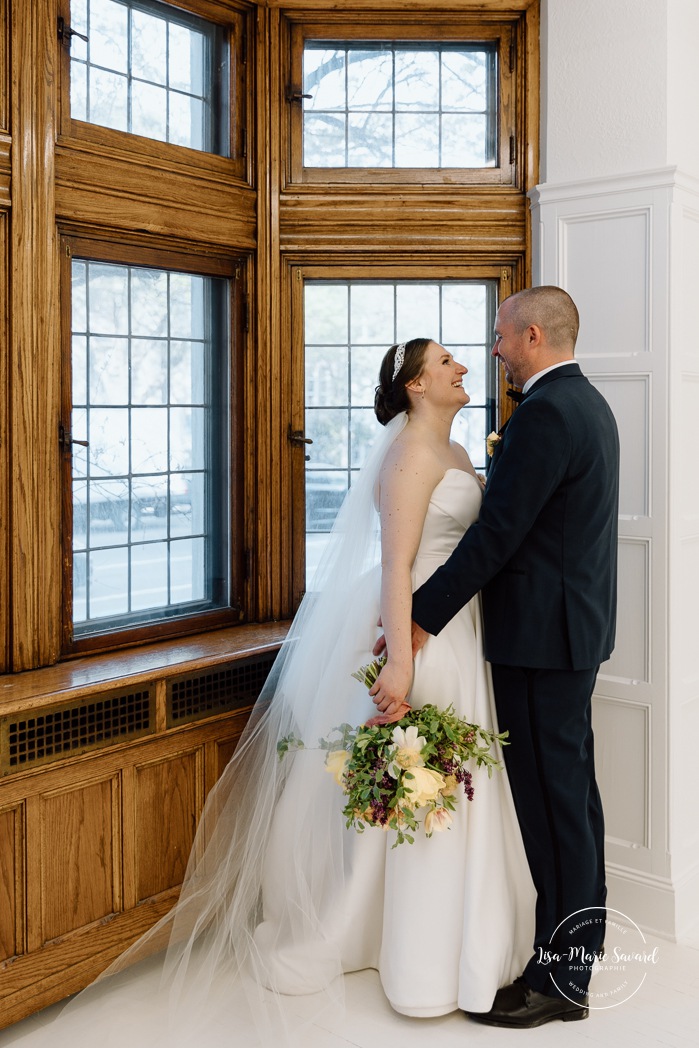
664 1012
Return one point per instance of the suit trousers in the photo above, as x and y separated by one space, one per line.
550 763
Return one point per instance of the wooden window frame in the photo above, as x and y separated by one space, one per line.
297 275
234 20
4 68
440 29
202 263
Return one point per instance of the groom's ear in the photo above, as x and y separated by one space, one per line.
533 336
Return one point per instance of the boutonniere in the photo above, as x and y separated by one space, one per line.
491 442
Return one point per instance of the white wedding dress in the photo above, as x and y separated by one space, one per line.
446 920
280 898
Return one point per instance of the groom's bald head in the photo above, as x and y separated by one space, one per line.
551 309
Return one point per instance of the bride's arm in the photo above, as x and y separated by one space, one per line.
407 481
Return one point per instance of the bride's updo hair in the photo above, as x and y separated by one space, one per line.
391 395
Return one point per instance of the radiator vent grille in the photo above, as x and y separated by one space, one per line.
233 686
62 731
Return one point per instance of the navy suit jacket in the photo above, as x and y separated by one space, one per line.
544 548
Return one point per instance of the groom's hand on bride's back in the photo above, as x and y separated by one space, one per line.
418 636
394 682
380 646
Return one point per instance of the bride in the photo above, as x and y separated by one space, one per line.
280 899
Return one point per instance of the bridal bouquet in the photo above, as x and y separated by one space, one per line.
394 773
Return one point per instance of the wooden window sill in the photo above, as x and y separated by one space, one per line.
35 688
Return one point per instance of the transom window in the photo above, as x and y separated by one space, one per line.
349 325
150 69
397 101
150 482
399 105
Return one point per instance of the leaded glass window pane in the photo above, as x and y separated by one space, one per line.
152 70
400 105
349 325
150 524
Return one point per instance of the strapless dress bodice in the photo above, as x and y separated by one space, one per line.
454 505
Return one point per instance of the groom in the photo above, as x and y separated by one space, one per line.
543 553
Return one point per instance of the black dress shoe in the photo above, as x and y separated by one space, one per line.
519 1005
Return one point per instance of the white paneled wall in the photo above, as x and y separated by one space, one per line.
627 249
683 560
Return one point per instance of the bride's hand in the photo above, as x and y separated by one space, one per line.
392 685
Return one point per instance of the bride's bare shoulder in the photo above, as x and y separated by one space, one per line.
412 460
461 456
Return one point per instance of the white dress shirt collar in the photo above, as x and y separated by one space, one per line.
535 378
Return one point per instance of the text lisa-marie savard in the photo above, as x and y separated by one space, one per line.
579 953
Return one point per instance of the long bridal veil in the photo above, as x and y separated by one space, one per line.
240 948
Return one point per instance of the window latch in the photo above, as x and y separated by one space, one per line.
297 95
66 33
296 436
66 441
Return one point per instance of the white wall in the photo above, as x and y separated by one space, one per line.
683 85
616 222
604 90
683 555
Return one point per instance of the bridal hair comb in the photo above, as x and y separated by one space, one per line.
399 358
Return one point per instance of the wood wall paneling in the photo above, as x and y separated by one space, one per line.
268 375
293 292
528 49
4 66
167 796
224 750
409 223
484 8
80 874
107 827
5 573
5 178
240 541
11 882
35 349
101 188
66 965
